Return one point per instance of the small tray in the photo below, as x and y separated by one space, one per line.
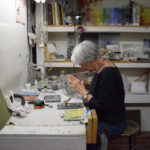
70 105
52 98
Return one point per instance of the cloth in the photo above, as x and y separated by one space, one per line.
108 96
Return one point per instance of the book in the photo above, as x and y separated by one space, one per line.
50 15
74 114
53 13
63 18
56 13
29 96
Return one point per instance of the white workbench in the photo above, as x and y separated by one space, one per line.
44 129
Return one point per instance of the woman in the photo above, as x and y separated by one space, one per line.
106 93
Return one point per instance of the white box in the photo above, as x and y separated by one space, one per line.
112 48
138 87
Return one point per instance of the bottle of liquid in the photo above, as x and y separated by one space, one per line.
38 74
62 76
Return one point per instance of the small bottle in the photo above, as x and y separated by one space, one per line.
38 74
62 76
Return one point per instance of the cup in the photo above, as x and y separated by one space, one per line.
28 86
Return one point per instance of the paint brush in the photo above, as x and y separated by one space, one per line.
66 101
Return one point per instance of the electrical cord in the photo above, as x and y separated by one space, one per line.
17 96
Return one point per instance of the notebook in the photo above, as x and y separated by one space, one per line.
74 114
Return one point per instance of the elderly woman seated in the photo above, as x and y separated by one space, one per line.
106 93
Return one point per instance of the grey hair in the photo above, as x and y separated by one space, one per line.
85 52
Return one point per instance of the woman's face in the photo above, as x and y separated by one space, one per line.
88 66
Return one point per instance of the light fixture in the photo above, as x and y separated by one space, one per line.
38 1
43 1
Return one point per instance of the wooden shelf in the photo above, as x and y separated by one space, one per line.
119 65
100 28
60 64
133 65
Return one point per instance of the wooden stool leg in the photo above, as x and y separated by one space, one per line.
130 143
134 142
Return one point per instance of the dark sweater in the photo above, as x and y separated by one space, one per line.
108 95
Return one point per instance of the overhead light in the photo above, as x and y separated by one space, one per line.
38 1
43 1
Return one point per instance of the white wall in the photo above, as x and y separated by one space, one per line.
14 51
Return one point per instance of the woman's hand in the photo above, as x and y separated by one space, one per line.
76 84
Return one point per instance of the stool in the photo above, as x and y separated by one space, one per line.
130 132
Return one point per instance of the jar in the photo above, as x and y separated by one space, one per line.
38 74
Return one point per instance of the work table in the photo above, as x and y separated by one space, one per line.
44 129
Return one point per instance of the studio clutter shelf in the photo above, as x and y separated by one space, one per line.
129 34
92 29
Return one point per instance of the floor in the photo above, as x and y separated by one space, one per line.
121 143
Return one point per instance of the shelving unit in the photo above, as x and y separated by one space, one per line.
128 33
